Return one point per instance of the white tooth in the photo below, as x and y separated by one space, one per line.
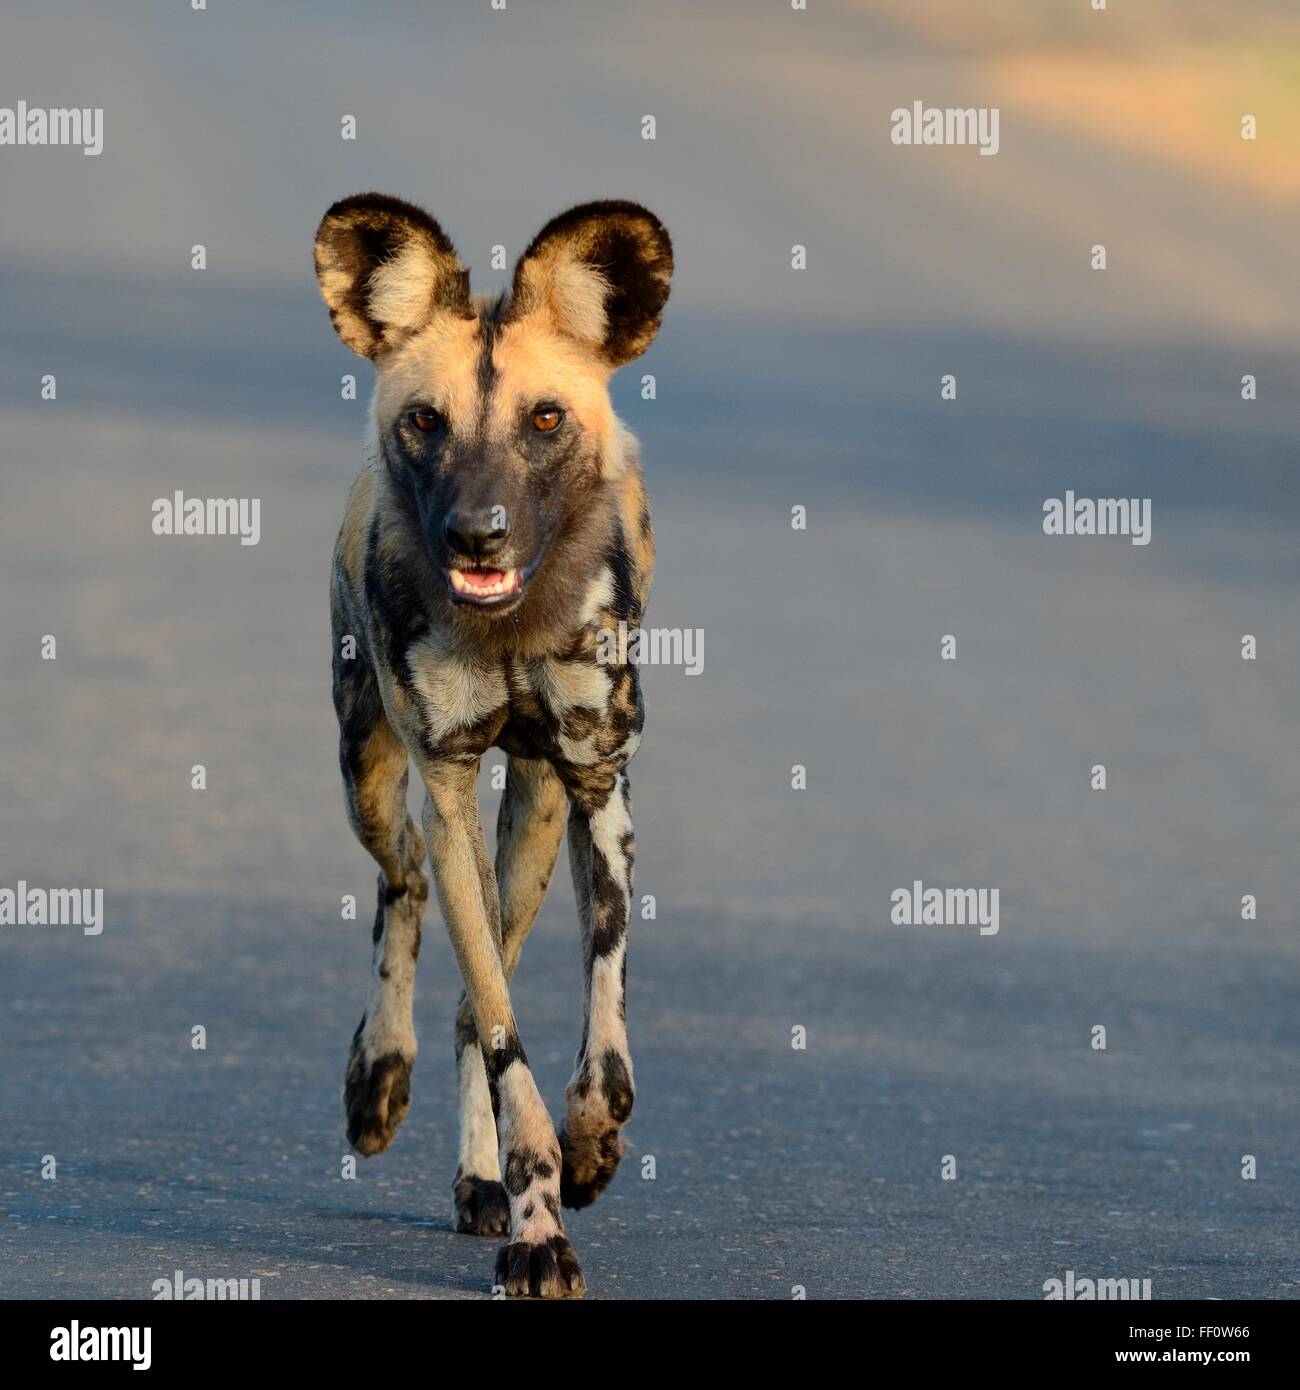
504 585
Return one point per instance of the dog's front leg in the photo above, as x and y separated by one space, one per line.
538 1260
599 1097
530 826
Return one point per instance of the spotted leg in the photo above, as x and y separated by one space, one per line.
599 1097
377 1088
530 825
538 1259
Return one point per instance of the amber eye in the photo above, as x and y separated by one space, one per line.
544 421
426 420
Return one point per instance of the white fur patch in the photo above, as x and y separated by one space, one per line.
454 690
607 1028
576 294
608 826
599 595
389 1027
478 1130
400 292
568 685
571 293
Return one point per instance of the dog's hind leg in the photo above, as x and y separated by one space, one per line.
377 1089
538 1260
599 1097
530 826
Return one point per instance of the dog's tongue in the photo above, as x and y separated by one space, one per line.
483 579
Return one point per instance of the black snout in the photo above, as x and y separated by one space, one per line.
474 531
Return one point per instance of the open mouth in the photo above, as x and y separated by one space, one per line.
486 587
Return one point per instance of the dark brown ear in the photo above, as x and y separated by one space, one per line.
600 274
385 268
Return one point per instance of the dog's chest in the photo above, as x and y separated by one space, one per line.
576 710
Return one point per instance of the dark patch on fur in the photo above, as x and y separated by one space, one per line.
616 1085
633 251
547 1270
497 1059
487 372
466 1034
610 906
481 1206
620 567
396 599
589 785
376 1096
523 1169
359 710
580 723
468 743
587 1169
361 233
378 930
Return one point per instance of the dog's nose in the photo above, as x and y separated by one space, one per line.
477 532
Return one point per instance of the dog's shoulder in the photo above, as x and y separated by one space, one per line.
350 549
636 524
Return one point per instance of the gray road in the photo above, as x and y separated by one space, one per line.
774 1168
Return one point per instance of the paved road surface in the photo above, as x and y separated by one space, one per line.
773 1167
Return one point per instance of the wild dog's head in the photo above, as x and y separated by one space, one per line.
493 416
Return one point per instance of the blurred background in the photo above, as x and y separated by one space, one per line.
775 388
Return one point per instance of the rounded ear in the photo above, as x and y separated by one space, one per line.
598 273
385 268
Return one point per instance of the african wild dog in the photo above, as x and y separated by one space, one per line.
500 524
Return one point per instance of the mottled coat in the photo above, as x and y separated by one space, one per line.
499 528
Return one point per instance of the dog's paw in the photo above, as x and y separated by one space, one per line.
376 1096
482 1208
588 1164
547 1270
